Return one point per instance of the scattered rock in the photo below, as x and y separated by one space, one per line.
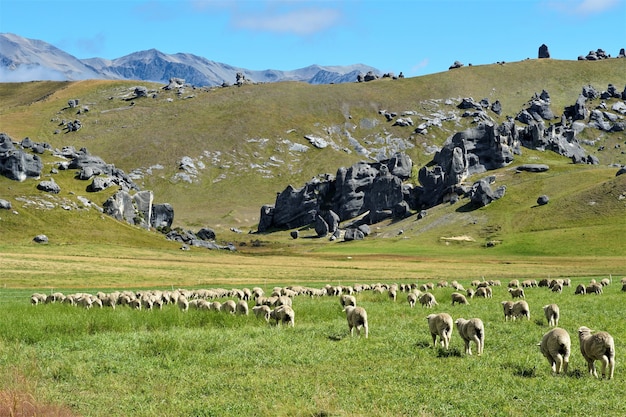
543 200
41 239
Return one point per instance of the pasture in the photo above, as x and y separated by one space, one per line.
58 359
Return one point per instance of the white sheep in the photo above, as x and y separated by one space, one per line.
508 310
284 314
347 300
485 292
552 314
229 306
182 303
262 311
472 330
519 309
242 307
594 288
357 319
556 346
458 298
440 325
605 281
427 300
580 289
517 292
598 346
412 299
37 298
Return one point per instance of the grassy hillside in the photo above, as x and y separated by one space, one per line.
240 140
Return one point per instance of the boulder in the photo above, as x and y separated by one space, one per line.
49 187
162 216
542 200
619 172
120 206
294 234
17 164
543 52
533 168
482 194
321 227
5 204
142 200
41 239
206 234
353 234
455 65
266 218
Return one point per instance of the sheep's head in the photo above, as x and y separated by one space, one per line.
583 332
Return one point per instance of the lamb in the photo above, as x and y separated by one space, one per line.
458 298
440 325
599 346
472 330
357 319
517 292
556 346
284 314
520 308
428 300
552 314
262 311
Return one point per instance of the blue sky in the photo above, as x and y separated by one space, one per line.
413 36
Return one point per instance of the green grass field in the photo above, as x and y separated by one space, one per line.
201 363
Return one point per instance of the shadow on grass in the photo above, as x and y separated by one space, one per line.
521 370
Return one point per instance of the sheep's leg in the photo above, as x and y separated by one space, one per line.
558 363
605 362
434 340
592 368
611 368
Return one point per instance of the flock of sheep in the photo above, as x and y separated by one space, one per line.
555 344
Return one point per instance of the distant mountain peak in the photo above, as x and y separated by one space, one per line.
23 59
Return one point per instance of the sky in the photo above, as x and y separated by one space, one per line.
415 37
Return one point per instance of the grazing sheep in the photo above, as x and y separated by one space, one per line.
262 311
508 310
347 300
428 300
458 298
182 303
440 325
484 292
472 330
594 288
514 283
605 281
517 292
552 314
284 314
544 283
37 298
580 289
556 346
558 287
393 293
229 307
624 286
519 309
242 307
357 319
412 299
216 306
470 292
598 346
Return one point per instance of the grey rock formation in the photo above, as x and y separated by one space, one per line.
482 194
5 204
49 187
321 227
533 168
17 164
455 65
206 234
162 216
353 234
543 52
41 239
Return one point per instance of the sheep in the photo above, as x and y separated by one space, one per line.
262 311
217 306
357 319
580 289
242 307
440 325
347 300
393 293
284 314
544 283
428 300
556 346
605 281
484 292
520 308
459 298
552 314
594 288
599 346
412 299
508 310
37 298
470 292
182 303
472 330
624 286
229 307
558 287
517 292
514 283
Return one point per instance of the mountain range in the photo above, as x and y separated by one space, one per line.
23 59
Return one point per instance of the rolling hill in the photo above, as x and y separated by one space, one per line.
242 145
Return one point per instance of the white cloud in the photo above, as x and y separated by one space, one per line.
299 22
584 7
